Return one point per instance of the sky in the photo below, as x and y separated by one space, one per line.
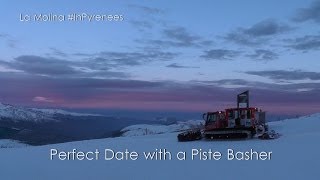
186 56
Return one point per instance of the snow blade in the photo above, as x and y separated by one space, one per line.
269 135
191 135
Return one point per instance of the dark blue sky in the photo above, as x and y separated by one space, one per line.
164 55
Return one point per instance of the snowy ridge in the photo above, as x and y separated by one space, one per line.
63 112
146 129
20 113
34 114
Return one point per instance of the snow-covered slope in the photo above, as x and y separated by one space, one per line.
298 126
146 129
33 114
294 156
8 143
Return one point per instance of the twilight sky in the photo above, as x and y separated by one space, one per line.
164 56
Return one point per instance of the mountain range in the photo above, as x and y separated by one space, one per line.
46 126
